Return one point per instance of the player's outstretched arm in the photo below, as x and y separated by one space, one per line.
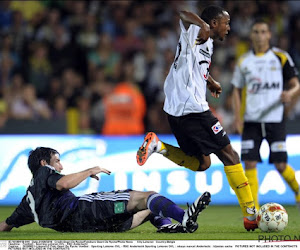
192 18
72 180
5 227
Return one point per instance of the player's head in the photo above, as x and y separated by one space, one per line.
218 20
260 34
42 156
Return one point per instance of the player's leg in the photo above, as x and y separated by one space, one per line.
276 138
146 215
252 137
163 225
182 155
251 174
152 145
288 174
239 183
160 205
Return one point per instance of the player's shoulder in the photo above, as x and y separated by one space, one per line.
244 56
282 55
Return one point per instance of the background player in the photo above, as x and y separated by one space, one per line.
269 79
197 131
50 203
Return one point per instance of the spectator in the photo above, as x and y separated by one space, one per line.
125 107
3 109
167 39
99 89
129 42
84 118
105 57
148 73
88 37
73 86
18 33
59 108
47 31
29 9
28 106
5 15
39 69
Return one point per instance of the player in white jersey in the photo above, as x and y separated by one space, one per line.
197 130
269 80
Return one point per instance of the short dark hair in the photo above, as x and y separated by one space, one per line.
35 157
260 20
211 12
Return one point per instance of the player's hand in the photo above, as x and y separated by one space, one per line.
97 170
238 124
215 88
203 34
286 97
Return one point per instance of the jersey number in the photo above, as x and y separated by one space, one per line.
31 204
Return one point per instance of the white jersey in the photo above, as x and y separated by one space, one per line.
263 79
185 85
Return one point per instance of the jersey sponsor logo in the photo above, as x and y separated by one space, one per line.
278 146
258 87
247 144
217 128
203 52
119 207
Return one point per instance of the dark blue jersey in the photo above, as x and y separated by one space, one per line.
43 203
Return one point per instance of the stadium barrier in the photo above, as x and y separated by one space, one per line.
117 154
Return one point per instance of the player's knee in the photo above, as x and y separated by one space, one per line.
228 156
204 166
280 167
205 163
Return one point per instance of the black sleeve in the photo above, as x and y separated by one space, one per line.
52 179
289 71
49 176
21 216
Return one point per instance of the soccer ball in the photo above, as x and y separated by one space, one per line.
272 217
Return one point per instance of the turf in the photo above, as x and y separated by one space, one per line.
215 223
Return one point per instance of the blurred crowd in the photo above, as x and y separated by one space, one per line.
101 64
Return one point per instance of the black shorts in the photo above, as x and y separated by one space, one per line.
103 211
253 135
199 133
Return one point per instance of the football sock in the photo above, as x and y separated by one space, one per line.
177 156
159 221
162 206
251 174
289 175
239 183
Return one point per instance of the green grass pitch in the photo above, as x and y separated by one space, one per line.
215 223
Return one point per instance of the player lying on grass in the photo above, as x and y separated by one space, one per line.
50 203
197 131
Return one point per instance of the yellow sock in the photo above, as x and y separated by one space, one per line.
289 175
177 156
239 183
251 174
